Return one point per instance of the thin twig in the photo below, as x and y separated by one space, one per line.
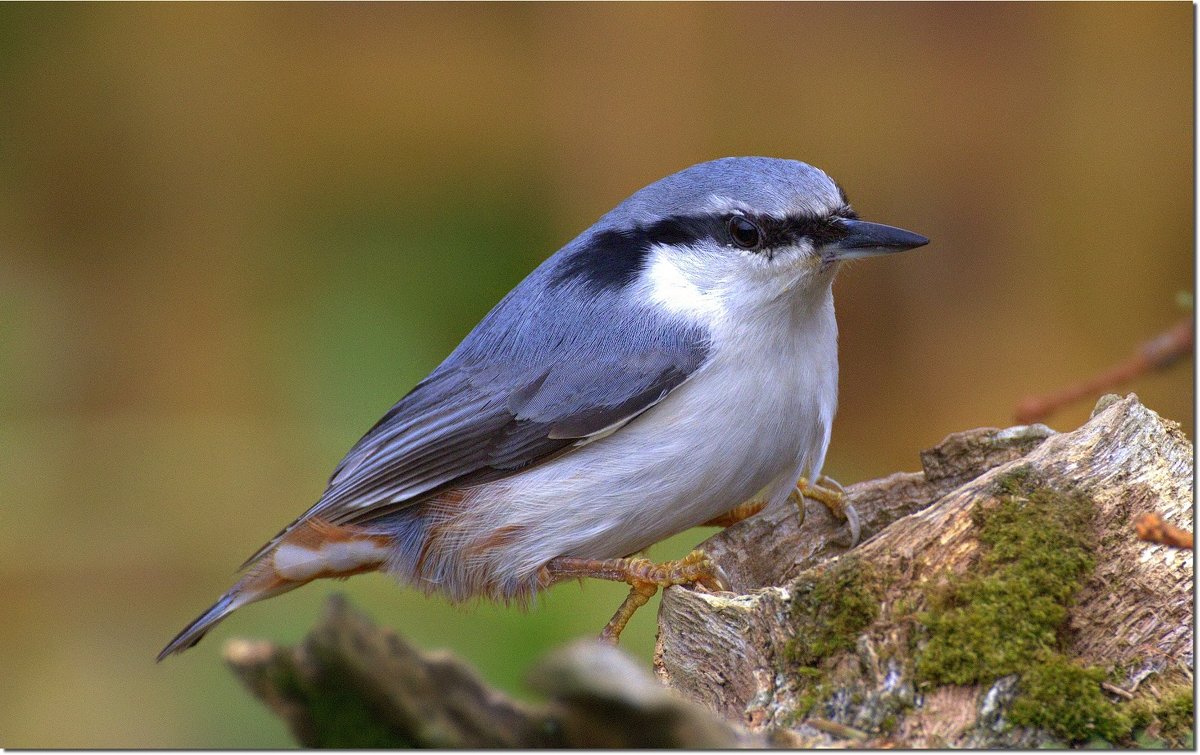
1123 693
1152 529
1156 354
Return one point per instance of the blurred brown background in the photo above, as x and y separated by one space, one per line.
232 235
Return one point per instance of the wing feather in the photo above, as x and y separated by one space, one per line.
543 372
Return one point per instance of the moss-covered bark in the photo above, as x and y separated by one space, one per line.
1013 608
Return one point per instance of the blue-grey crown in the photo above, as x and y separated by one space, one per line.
764 185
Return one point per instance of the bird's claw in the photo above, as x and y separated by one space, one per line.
714 581
696 568
830 493
797 499
854 523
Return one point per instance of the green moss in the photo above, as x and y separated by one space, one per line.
813 689
1177 714
1166 721
1037 551
1009 614
830 611
812 695
1063 698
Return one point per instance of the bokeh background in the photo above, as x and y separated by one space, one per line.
232 235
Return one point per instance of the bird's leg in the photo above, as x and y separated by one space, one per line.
643 576
736 514
639 595
832 496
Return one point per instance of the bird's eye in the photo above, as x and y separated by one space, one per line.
744 232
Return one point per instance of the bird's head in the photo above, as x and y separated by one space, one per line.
731 233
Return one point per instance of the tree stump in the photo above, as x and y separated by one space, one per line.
1000 598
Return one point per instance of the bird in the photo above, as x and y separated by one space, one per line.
674 365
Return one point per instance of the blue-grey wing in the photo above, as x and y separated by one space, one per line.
479 431
550 366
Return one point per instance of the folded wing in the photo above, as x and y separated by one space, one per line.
524 387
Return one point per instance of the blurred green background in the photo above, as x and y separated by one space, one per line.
232 235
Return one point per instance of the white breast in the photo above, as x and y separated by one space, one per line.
750 422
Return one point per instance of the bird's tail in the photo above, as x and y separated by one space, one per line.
249 589
314 549
195 631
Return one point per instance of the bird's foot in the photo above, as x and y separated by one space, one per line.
830 493
643 576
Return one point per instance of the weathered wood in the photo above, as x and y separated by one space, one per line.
350 684
1132 615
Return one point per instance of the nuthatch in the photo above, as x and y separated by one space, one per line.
674 365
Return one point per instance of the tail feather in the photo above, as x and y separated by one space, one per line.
195 631
314 551
261 583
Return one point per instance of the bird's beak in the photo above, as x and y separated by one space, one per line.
871 239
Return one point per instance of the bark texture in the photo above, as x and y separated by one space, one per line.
1000 597
750 658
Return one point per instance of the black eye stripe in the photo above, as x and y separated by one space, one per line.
776 232
819 231
613 258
